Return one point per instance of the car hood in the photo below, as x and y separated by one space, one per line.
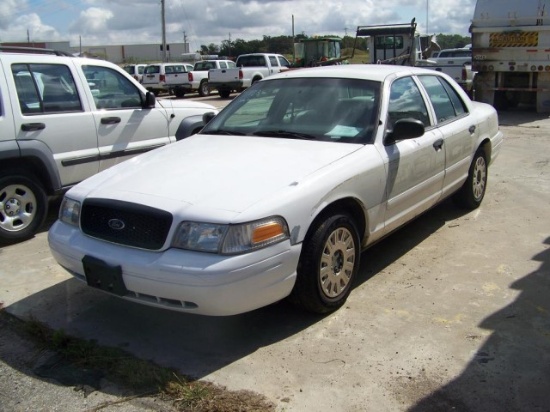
204 173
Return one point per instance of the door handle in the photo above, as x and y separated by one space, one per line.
110 120
29 127
438 144
472 129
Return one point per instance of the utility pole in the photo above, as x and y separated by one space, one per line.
427 16
163 31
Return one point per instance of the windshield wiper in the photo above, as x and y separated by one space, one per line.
285 134
223 131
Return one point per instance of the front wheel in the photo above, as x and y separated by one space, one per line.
23 207
204 89
473 190
328 265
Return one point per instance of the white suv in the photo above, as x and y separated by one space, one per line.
63 119
154 75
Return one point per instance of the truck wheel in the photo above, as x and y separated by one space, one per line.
328 265
472 191
23 207
179 92
224 93
204 89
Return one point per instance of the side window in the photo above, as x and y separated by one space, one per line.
111 90
283 62
274 62
231 65
223 65
445 101
45 88
406 102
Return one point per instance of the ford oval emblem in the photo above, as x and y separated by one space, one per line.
116 224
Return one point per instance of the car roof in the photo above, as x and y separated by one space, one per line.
376 72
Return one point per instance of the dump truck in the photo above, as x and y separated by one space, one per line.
510 44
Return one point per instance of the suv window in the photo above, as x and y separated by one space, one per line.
152 69
45 88
110 89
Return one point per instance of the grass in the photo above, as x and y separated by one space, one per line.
360 56
137 376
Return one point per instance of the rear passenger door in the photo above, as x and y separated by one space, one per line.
457 127
51 111
124 128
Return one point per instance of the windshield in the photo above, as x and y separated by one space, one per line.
324 109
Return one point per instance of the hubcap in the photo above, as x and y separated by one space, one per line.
17 207
337 263
480 178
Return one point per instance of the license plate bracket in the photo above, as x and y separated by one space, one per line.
103 276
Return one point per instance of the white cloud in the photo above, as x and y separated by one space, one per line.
212 21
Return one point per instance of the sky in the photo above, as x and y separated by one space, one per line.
202 22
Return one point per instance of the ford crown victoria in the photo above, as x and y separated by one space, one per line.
280 192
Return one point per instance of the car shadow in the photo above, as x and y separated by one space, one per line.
500 376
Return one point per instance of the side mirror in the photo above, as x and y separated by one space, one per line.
150 100
206 117
405 129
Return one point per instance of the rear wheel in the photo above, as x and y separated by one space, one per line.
328 265
204 89
23 207
473 190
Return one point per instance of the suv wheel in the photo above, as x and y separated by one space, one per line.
23 207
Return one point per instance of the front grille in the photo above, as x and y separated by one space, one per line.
125 223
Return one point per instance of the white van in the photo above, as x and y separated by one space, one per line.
154 75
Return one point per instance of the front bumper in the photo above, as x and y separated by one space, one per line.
185 281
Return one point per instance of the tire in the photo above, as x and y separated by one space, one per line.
23 207
179 92
473 190
224 93
204 89
328 265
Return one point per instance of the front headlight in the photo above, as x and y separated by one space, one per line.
69 212
230 239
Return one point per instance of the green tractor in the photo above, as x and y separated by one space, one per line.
318 51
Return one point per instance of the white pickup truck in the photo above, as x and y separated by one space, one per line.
250 68
457 63
197 79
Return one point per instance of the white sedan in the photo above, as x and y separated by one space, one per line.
281 191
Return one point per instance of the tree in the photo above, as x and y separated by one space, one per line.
452 41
